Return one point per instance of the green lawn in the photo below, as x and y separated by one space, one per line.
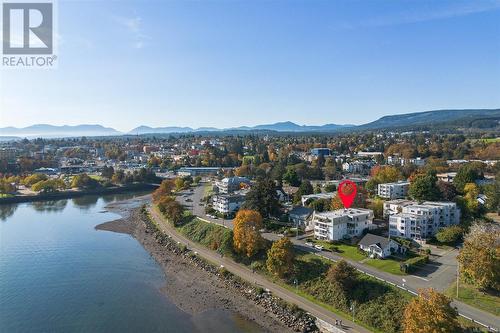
351 252
5 195
386 265
341 249
475 298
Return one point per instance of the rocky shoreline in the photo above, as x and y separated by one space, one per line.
195 285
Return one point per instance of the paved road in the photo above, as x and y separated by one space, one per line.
248 275
413 283
439 274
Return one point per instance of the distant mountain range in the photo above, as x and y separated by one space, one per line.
44 130
480 118
286 126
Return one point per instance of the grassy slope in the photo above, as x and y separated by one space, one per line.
475 298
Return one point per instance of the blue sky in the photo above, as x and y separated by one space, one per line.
231 63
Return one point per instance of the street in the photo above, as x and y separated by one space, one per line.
438 274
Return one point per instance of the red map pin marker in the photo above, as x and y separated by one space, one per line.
347 192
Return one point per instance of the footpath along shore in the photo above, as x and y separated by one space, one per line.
326 319
196 286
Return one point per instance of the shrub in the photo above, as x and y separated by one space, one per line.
412 264
449 235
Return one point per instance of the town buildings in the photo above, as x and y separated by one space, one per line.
446 177
398 160
361 167
320 152
198 171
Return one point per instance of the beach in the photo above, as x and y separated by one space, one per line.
189 286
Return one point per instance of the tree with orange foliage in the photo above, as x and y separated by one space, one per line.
165 189
430 312
246 236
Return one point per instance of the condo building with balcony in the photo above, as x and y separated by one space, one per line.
420 221
341 223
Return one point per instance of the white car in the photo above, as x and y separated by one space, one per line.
309 244
318 247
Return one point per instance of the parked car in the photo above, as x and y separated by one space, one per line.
318 247
309 244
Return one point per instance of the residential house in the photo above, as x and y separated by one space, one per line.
299 215
378 246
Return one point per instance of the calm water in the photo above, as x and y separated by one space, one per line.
58 274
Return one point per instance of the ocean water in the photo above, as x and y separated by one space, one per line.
59 274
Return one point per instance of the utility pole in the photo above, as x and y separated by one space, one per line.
297 237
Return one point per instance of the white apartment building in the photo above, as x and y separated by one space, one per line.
231 184
392 191
341 223
396 206
410 219
227 203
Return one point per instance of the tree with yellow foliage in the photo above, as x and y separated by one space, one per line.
246 236
280 257
471 192
479 258
430 312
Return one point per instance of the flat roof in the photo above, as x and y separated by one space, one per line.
344 212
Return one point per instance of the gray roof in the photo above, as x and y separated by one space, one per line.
300 211
371 239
